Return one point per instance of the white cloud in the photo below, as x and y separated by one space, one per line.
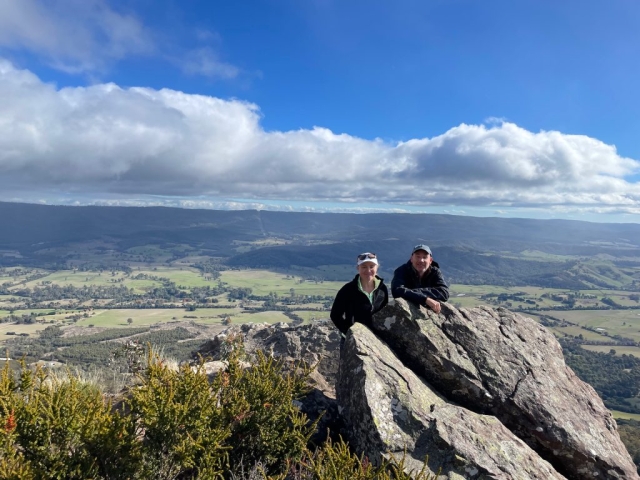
204 61
134 142
72 35
87 36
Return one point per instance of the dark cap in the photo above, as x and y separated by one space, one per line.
421 247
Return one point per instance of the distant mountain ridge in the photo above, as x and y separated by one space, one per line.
26 224
471 249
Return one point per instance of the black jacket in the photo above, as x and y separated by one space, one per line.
407 284
351 305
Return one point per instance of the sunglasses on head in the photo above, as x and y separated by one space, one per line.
364 256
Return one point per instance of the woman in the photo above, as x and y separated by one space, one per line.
359 299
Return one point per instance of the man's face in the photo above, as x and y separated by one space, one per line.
421 261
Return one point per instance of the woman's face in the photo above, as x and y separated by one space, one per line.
367 270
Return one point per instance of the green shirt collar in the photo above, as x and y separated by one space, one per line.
376 281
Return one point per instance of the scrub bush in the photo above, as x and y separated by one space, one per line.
257 402
180 422
61 428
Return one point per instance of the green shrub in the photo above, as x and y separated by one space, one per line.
61 428
181 422
266 426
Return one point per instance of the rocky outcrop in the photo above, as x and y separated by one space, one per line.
316 344
391 411
497 362
484 392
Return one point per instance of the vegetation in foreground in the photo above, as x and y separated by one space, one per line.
170 424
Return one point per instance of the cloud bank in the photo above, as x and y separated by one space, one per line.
72 35
105 139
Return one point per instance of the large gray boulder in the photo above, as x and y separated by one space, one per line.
497 362
389 410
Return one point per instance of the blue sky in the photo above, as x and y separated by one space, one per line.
498 108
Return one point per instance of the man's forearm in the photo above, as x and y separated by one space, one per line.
412 295
437 293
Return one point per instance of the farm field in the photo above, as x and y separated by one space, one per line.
468 296
576 331
150 316
625 323
625 415
260 317
76 278
31 329
308 316
118 317
462 300
620 349
188 277
86 279
262 282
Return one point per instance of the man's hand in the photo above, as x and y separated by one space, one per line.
433 304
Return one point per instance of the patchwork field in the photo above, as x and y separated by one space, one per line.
625 323
87 279
150 316
262 282
620 349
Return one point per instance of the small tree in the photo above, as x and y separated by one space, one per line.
129 320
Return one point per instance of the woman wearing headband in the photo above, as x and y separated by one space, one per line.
359 299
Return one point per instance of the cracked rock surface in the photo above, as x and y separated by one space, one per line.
390 410
497 362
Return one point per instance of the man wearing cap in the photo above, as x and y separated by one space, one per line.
420 280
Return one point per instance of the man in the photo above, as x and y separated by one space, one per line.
420 280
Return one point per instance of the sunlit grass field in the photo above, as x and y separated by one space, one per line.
625 323
260 317
150 316
625 415
620 349
31 329
85 279
575 331
309 315
262 282
118 317
188 277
